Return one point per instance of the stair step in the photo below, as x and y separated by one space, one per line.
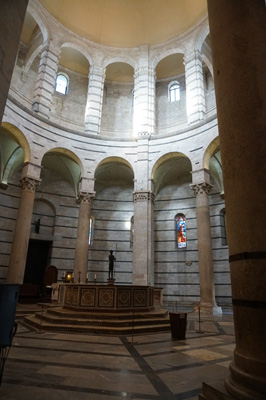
61 312
35 322
102 322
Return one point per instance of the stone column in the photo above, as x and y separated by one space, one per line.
238 38
20 243
93 113
195 97
82 242
143 248
45 84
207 293
144 102
11 21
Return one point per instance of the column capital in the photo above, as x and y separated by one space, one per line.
29 184
85 197
143 195
201 188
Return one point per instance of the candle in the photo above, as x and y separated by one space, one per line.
95 276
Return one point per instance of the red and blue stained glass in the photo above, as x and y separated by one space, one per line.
181 231
90 233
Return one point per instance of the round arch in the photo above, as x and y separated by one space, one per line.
124 59
213 146
83 50
166 157
19 137
114 159
40 19
67 153
166 53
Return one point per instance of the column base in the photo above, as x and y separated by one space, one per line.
245 386
111 281
207 308
214 391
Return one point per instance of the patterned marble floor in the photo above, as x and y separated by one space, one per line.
58 366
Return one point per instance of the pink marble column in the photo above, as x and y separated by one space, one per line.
238 39
143 241
20 243
82 243
207 294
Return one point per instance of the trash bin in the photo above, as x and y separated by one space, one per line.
178 321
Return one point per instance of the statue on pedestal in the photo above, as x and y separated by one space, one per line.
111 264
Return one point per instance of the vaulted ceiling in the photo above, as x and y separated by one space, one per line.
127 23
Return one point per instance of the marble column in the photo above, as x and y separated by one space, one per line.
238 38
195 96
82 243
207 293
11 21
45 84
143 248
20 242
93 112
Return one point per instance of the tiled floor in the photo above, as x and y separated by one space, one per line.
58 366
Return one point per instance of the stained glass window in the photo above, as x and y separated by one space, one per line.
90 232
181 231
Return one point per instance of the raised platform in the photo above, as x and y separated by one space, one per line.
58 319
103 309
106 298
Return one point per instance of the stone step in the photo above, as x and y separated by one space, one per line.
41 324
102 322
68 313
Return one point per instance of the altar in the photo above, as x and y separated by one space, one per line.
104 298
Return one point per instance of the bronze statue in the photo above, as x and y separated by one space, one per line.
37 225
111 264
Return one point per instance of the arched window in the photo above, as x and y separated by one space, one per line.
174 91
91 232
223 227
61 83
131 231
181 230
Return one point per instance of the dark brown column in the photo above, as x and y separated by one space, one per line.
11 21
238 39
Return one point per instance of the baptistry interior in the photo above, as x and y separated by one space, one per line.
127 126
133 130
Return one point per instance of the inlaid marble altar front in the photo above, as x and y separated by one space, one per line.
108 298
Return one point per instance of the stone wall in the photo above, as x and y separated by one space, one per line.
177 269
117 113
111 211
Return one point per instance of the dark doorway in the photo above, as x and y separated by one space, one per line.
38 258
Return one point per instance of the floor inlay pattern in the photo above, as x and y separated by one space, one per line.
56 366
